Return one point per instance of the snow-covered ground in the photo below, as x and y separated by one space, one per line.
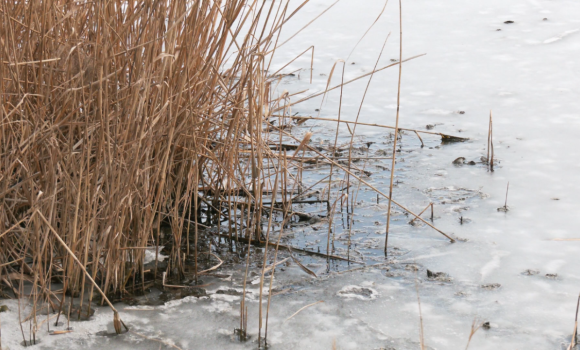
528 74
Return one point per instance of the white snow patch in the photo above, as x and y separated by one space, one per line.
225 297
150 255
174 303
493 264
358 292
560 36
139 308
423 93
435 111
218 307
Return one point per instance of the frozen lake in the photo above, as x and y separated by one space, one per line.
528 74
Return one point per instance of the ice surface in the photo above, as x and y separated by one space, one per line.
528 74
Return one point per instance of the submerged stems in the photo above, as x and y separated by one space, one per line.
490 143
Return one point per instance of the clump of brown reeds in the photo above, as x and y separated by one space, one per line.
118 116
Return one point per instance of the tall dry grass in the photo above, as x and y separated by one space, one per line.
117 116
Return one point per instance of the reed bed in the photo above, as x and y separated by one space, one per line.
119 117
116 117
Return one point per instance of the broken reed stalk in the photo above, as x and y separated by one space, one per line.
432 212
490 143
443 136
368 30
475 326
488 138
396 126
430 205
302 309
330 222
574 341
506 195
333 150
304 251
265 260
166 343
117 322
421 335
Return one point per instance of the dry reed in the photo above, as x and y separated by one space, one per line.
396 126
574 340
120 116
